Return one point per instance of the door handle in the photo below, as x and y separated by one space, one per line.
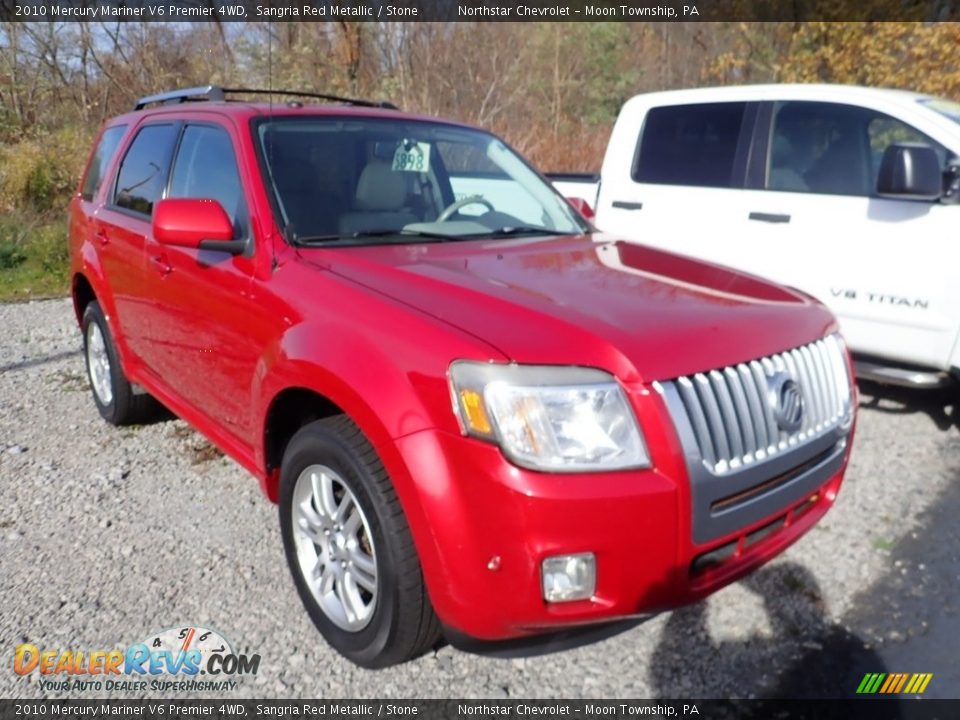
769 217
626 205
162 265
102 237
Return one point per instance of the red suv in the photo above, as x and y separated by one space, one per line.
475 412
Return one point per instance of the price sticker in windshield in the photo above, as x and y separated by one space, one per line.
412 157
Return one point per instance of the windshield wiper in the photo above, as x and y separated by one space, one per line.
523 230
363 237
359 237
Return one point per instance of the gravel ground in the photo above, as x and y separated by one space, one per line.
109 534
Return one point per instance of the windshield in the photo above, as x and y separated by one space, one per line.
947 108
348 180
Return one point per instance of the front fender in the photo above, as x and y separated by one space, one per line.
388 374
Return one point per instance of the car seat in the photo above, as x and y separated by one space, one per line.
380 201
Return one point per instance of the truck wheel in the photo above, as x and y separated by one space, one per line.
349 547
112 392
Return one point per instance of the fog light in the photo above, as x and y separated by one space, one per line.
569 577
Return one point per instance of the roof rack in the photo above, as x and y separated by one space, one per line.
214 93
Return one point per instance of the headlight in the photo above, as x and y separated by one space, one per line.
559 419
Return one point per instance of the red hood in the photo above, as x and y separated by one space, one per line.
627 308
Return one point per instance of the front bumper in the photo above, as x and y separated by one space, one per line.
483 526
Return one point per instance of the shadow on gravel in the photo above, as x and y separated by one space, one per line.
820 659
908 621
943 406
42 360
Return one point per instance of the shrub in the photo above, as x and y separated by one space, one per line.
39 174
10 256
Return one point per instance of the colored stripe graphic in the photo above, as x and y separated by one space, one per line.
903 681
894 683
870 683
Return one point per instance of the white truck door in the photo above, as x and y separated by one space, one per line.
673 174
887 268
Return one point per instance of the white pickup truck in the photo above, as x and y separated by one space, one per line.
847 193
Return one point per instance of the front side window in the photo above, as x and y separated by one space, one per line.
692 145
206 167
833 149
363 180
101 161
143 172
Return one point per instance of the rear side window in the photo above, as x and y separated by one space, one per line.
690 145
102 156
143 172
206 167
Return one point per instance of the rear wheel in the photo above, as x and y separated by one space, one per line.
113 394
349 547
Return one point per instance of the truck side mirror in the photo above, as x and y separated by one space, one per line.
910 171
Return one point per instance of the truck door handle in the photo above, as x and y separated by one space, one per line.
162 264
102 237
626 205
769 217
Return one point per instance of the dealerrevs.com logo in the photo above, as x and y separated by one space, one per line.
183 659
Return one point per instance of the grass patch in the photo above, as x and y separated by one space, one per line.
71 381
200 450
34 258
883 544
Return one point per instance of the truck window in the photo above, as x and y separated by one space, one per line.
206 167
690 145
101 160
143 172
884 131
832 148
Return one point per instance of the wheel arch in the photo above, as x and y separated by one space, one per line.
83 294
288 411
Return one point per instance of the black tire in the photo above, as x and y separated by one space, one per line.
123 407
403 624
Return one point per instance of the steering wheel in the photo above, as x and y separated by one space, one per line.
463 202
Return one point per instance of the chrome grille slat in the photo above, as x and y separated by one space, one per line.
829 389
798 368
688 395
730 423
743 413
827 370
755 405
714 421
760 383
730 411
816 389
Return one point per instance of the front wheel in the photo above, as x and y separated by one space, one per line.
349 547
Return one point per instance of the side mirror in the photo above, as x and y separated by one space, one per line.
582 207
910 171
195 223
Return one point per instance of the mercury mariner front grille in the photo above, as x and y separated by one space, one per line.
733 411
